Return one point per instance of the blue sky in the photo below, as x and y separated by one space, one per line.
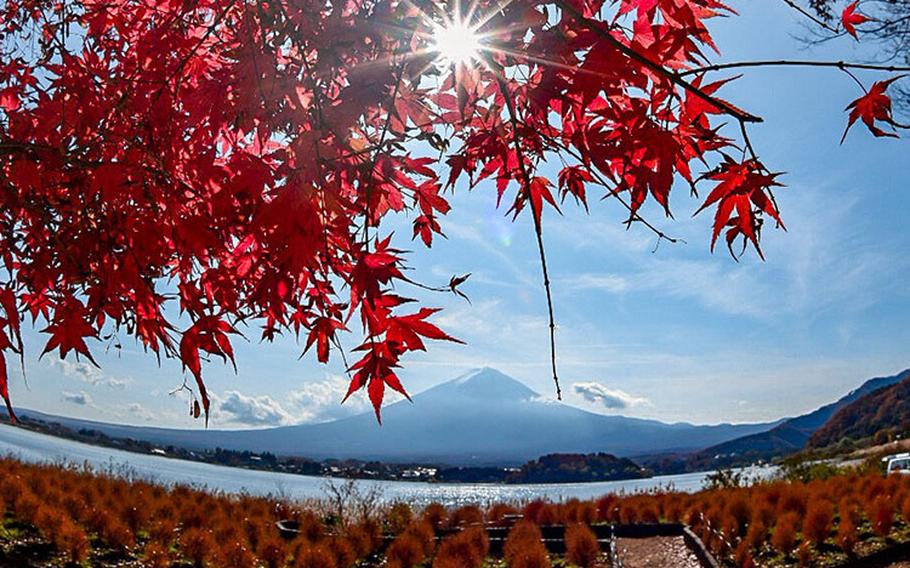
678 334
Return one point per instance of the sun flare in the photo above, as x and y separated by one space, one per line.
457 42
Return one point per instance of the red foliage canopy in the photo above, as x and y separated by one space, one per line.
235 159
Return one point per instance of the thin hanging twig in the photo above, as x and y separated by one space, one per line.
535 213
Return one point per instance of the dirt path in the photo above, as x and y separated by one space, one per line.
656 552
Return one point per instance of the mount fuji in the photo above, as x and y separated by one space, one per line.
482 418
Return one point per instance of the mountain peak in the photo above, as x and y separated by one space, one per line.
490 384
481 418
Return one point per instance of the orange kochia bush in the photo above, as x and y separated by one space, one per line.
179 522
582 547
524 547
81 513
465 549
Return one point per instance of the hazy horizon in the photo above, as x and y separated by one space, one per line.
617 401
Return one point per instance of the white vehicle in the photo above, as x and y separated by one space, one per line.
898 463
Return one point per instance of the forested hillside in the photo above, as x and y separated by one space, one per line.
885 410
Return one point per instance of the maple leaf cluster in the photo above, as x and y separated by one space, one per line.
235 160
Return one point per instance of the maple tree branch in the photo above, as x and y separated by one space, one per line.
818 21
535 213
796 63
451 288
885 25
422 286
320 121
193 192
379 145
673 76
747 142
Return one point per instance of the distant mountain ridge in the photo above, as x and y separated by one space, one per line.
884 409
791 435
481 418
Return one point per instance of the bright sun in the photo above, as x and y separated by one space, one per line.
457 42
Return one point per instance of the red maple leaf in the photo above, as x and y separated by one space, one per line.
875 105
850 18
375 370
407 329
537 192
425 226
321 333
572 180
742 195
69 330
209 334
9 99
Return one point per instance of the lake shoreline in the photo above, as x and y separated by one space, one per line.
33 447
597 467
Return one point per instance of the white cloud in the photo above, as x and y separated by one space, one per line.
613 399
88 373
79 370
139 411
321 401
318 401
253 410
612 283
116 383
81 398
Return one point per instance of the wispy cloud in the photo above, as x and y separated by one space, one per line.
87 373
486 317
589 233
493 241
825 261
733 290
613 399
610 283
80 398
140 411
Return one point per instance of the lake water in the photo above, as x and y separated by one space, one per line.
33 447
